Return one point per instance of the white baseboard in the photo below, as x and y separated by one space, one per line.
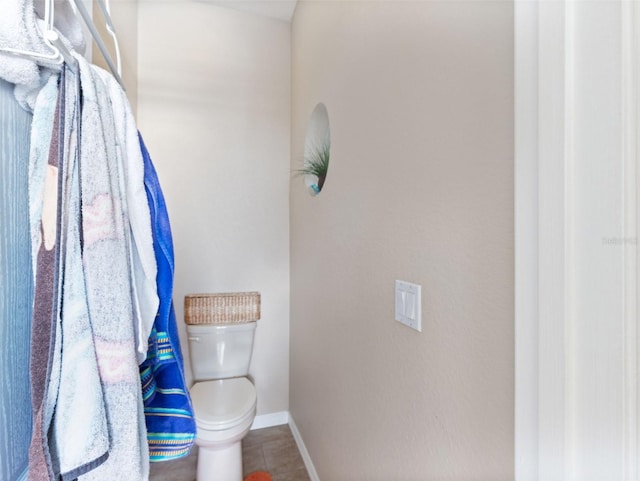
313 475
271 419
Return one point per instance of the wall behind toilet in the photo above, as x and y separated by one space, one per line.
213 107
420 188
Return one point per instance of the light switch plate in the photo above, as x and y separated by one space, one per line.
409 304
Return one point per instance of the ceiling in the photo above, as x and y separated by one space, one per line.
279 9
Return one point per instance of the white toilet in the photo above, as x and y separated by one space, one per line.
224 399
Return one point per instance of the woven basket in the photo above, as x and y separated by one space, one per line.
232 308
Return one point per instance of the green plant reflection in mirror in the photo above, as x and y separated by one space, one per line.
317 150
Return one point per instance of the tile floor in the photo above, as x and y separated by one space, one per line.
270 449
273 450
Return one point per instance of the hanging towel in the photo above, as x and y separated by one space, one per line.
78 437
39 149
20 28
68 387
140 248
16 287
169 415
43 193
108 283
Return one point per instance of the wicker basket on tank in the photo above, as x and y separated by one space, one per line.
227 308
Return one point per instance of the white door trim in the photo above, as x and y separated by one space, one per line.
631 153
546 327
526 242
541 185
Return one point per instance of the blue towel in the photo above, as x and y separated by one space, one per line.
171 427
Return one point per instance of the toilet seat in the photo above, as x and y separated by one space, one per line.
223 403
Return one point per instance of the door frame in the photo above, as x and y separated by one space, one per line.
545 253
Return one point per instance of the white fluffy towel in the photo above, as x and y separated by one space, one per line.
108 276
22 27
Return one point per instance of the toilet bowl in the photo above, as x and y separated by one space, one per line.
224 411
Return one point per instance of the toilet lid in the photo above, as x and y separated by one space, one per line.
222 403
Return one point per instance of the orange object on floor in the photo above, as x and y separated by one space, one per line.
258 476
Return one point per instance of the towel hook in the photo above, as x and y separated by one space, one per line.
79 7
106 12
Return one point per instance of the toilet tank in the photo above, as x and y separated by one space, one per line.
219 351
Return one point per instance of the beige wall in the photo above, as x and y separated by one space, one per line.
420 188
213 107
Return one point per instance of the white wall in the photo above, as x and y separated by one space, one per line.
420 188
213 107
